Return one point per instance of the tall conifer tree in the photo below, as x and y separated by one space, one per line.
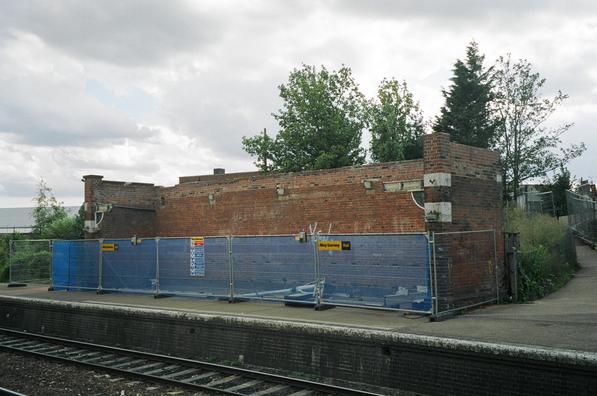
466 116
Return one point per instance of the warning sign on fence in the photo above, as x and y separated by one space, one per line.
109 247
334 245
197 256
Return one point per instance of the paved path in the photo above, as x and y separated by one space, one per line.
565 319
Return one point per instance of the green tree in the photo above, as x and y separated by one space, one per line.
321 122
51 219
261 146
560 183
466 116
47 209
527 145
397 127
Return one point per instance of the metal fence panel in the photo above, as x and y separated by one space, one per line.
385 271
175 275
75 264
273 268
30 261
582 216
465 269
129 267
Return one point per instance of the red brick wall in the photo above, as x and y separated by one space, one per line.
132 207
336 199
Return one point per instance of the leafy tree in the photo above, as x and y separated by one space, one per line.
51 219
466 116
261 146
321 123
525 142
47 209
558 185
397 127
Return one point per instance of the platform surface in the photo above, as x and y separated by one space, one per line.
566 319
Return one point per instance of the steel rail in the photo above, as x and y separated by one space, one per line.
180 372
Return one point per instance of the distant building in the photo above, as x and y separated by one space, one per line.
21 219
587 189
536 199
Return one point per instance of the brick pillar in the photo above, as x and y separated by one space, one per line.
437 181
92 182
437 185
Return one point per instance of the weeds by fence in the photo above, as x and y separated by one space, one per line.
547 256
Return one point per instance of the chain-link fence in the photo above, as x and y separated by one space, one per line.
29 261
465 270
582 216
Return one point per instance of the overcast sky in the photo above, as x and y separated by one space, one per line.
152 90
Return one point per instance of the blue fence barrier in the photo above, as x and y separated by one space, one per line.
390 271
386 271
175 275
75 264
129 267
273 268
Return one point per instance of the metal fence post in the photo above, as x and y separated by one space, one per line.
430 267
435 298
317 271
157 267
231 269
101 266
495 263
51 269
10 249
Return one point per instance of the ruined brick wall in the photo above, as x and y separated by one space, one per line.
335 199
130 207
463 192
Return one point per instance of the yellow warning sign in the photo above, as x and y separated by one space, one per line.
109 247
334 245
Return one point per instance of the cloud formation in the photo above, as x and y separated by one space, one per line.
151 90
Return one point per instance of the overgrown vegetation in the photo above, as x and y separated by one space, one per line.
31 260
5 254
547 257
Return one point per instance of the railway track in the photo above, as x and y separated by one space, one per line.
185 373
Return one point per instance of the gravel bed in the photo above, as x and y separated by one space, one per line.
33 376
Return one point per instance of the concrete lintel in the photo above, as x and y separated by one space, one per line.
437 179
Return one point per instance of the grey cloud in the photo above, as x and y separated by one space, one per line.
119 32
472 11
219 109
38 111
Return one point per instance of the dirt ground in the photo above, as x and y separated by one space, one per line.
33 376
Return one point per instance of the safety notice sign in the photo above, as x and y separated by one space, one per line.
197 256
334 245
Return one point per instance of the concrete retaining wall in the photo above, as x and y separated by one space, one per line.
426 365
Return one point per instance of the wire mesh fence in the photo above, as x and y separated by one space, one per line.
582 216
273 268
386 271
465 270
535 202
29 261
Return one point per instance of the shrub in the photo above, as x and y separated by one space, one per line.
547 257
